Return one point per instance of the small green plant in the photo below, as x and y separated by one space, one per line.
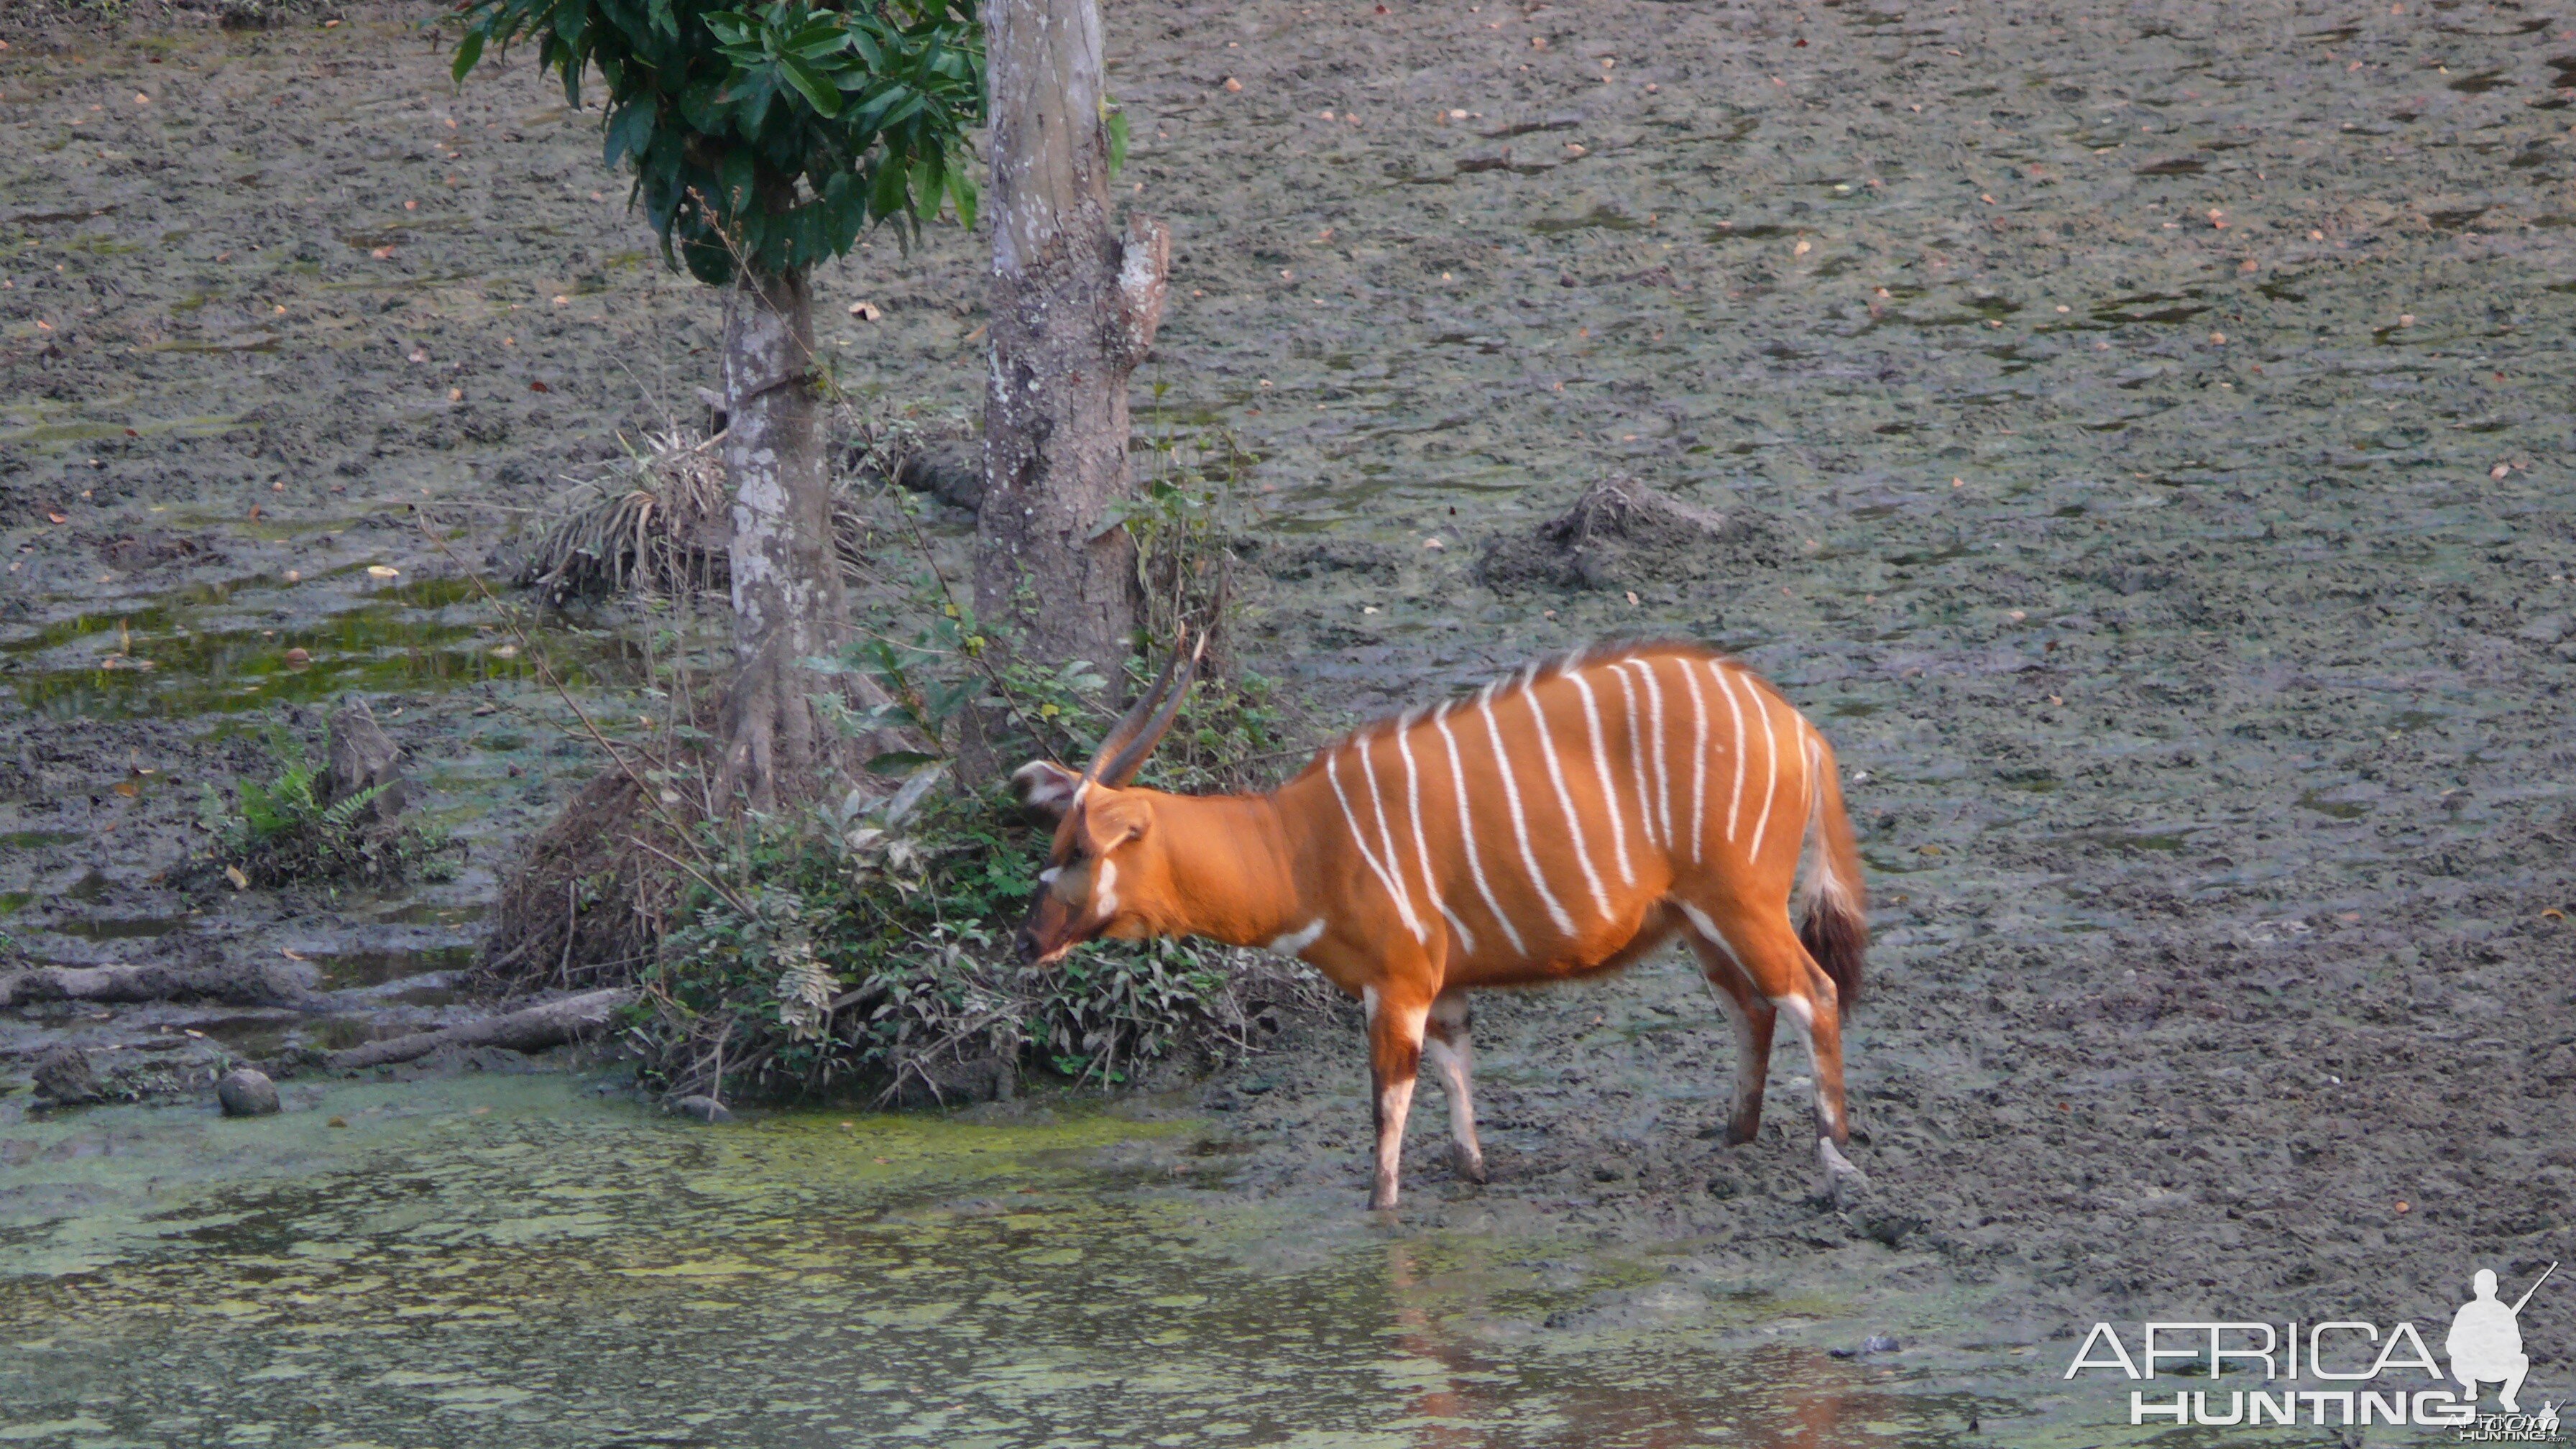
281 831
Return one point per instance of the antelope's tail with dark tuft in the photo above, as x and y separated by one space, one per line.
1835 930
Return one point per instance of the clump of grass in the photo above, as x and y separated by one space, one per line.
283 831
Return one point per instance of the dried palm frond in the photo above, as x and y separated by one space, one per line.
659 523
661 520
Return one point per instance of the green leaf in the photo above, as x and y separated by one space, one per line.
899 762
961 192
739 180
468 51
886 197
820 96
630 131
1116 122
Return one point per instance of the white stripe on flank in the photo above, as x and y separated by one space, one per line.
1386 844
1699 757
1467 830
1770 743
1403 907
1636 752
1663 778
1601 767
1565 800
1520 822
1735 800
1421 847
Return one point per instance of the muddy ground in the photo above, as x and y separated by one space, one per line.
2160 414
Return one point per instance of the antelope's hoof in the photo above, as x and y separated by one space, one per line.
1470 1164
1738 1133
1844 1183
1382 1202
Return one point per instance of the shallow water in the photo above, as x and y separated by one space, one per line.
527 1260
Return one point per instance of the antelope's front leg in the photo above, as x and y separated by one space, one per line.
1395 1054
1446 1042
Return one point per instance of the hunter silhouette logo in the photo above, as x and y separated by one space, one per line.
2362 1373
2485 1344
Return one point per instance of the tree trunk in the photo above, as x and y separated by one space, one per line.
1072 313
788 605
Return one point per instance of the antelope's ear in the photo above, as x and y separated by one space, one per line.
1046 789
1112 819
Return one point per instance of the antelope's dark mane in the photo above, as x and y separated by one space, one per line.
1537 672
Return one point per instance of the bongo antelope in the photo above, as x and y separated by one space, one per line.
1555 824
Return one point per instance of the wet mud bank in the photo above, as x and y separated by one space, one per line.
2147 433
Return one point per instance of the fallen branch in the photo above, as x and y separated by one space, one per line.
531 1029
141 983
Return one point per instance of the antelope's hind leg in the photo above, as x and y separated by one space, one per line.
1753 1017
1395 1056
1445 1042
1769 958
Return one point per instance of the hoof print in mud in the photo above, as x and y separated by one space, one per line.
1621 534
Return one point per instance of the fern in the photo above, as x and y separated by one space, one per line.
283 832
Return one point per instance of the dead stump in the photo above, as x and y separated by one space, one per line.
363 758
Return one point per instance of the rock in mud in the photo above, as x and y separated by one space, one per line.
1620 534
701 1109
362 758
64 1078
246 1092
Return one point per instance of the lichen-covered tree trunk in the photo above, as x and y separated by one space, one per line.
788 605
1073 309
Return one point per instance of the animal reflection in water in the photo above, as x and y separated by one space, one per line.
1556 824
1782 1397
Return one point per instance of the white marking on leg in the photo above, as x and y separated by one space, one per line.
1467 831
1394 890
1699 757
1394 1102
1636 752
1601 768
1048 875
1296 942
1386 843
1368 1003
1771 745
1520 822
1565 802
1421 847
1104 889
1456 1065
1735 800
1802 1014
1663 777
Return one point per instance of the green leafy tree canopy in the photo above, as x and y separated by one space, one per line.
774 135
